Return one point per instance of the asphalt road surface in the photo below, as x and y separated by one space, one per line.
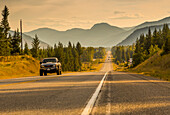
68 94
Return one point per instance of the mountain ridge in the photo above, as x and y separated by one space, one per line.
27 39
100 34
136 34
94 35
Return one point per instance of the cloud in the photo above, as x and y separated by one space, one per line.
25 2
128 16
119 12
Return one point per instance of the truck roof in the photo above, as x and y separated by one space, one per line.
50 58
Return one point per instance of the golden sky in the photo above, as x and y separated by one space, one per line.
67 14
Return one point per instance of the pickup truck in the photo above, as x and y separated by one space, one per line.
50 65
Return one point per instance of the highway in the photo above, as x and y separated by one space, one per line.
70 93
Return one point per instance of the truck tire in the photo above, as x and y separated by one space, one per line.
41 73
58 72
45 73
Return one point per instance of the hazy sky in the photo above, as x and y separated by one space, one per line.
67 14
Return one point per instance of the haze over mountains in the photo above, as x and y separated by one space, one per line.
135 32
101 34
95 36
28 39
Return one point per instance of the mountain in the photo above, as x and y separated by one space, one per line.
136 34
143 29
95 36
27 39
100 34
153 23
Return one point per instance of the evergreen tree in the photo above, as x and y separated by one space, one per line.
79 48
15 43
148 41
35 47
69 60
119 54
2 42
160 40
123 54
155 37
44 53
4 22
153 49
26 50
137 50
165 31
167 44
142 42
69 45
128 54
50 51
137 59
76 59
4 39
80 52
61 55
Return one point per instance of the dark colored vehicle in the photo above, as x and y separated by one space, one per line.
50 65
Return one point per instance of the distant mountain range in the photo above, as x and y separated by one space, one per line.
96 36
101 34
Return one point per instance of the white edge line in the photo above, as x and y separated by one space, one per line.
87 110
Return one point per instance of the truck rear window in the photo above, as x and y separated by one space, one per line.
49 60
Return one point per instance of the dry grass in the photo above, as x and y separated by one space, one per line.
156 66
18 66
119 67
93 66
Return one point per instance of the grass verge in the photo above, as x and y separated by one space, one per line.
156 66
18 66
95 65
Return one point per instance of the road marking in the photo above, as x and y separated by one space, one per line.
108 107
87 110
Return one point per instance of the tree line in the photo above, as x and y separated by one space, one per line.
145 46
71 56
151 43
68 56
91 53
122 53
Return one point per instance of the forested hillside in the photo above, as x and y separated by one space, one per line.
136 34
146 48
157 65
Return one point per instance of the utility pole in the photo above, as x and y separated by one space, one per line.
21 36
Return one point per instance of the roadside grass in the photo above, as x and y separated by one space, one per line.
25 66
18 66
95 65
120 67
156 66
